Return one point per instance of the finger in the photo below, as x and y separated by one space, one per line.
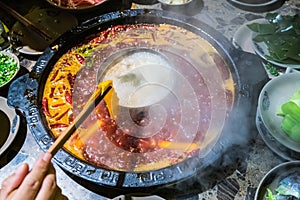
49 187
13 181
33 181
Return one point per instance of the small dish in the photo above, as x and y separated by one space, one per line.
285 174
275 93
9 67
187 7
257 5
76 5
28 51
175 2
10 123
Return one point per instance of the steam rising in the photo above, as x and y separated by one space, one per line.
183 89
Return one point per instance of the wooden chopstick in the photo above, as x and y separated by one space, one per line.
185 145
93 101
25 21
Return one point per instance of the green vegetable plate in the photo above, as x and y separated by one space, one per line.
9 67
276 39
274 94
281 182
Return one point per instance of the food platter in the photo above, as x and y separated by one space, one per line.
10 123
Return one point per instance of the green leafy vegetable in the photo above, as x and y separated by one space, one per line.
285 190
281 35
270 195
290 111
272 69
8 68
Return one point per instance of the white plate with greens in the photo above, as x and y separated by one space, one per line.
9 67
277 39
274 94
261 49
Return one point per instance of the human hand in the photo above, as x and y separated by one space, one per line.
38 183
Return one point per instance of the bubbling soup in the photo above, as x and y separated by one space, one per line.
174 89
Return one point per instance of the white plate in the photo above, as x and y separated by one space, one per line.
257 5
242 38
261 49
14 120
272 143
11 55
275 93
28 51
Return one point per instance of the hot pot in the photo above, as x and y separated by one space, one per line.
188 175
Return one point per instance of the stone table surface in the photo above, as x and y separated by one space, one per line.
242 183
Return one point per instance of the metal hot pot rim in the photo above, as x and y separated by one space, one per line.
26 93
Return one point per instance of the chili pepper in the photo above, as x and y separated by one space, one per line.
71 80
79 58
52 92
98 40
54 75
68 98
65 62
61 90
57 105
45 106
71 117
62 115
58 125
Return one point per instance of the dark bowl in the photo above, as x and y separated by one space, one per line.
285 174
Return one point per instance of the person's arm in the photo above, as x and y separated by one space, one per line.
38 183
